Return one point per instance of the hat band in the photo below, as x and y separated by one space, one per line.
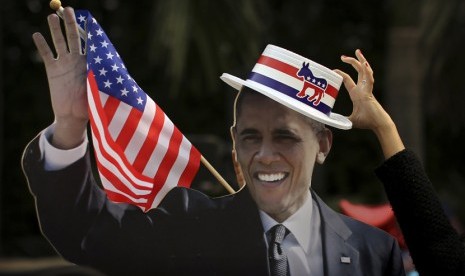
299 83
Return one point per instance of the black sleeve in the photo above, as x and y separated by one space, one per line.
115 238
434 245
83 225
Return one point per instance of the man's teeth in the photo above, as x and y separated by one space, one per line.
271 177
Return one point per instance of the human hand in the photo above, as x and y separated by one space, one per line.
367 112
66 78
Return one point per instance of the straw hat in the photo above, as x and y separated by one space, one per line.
296 82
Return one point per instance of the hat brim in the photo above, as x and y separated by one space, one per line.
334 119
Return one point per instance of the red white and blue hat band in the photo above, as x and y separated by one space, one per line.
305 89
296 82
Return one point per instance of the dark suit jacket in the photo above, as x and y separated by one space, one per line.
188 234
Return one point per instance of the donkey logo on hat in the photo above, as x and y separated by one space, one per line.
312 83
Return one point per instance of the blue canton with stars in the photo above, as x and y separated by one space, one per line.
110 73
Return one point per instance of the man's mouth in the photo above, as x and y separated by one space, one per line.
271 177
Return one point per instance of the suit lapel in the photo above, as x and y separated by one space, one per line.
340 258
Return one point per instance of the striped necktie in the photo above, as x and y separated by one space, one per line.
277 258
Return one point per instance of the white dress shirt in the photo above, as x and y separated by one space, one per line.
56 159
303 244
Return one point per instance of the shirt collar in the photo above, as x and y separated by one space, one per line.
298 223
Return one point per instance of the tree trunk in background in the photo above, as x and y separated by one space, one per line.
403 73
2 123
403 94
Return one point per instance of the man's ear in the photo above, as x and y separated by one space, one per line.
325 140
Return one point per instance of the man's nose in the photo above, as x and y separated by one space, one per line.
267 154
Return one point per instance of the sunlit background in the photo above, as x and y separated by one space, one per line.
177 49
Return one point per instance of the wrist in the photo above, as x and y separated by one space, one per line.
68 134
389 139
386 128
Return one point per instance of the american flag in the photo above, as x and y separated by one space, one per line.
140 153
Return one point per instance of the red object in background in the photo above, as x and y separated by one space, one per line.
380 216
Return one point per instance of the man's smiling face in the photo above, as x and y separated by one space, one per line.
277 149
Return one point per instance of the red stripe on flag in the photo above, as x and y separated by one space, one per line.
111 105
166 164
118 184
116 197
191 170
116 164
151 140
130 126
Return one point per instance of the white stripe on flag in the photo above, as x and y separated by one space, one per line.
160 150
103 98
176 171
109 186
116 172
142 130
117 123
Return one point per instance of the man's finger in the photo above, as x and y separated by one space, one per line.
42 47
352 61
349 83
57 34
365 73
72 33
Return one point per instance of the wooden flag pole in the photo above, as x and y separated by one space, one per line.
216 175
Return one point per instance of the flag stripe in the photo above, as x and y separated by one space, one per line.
120 185
167 163
110 107
192 168
117 195
141 133
150 143
129 128
116 126
188 175
160 150
107 161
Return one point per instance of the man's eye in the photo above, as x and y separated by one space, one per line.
287 138
250 138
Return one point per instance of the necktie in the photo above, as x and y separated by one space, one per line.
277 257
